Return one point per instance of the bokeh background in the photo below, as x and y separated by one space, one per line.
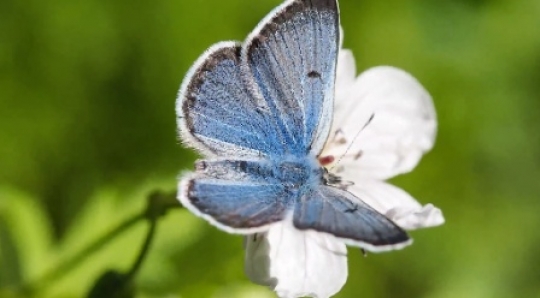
87 131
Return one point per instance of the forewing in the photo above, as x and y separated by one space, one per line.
335 211
216 112
292 58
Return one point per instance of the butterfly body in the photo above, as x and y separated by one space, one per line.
295 174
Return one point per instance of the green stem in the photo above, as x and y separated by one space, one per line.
73 262
158 205
144 250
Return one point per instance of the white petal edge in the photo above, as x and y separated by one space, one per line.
397 205
412 219
296 263
402 130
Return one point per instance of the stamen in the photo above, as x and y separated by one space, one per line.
350 145
358 155
326 160
339 137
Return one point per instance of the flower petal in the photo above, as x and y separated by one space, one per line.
412 219
402 129
345 74
397 204
296 263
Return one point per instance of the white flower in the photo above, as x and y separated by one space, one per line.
365 152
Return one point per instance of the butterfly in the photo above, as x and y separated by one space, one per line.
260 112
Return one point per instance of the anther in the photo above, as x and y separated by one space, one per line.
326 160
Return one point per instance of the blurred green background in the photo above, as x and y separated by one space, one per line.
87 131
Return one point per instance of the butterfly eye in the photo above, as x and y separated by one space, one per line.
200 166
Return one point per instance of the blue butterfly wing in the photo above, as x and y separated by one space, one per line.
274 99
263 101
237 196
291 57
336 211
218 115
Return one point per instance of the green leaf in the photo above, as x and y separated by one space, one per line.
10 268
25 237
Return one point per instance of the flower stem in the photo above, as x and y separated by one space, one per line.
144 250
74 261
158 204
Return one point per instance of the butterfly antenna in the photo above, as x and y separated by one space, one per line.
356 136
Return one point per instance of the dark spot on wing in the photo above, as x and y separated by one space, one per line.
200 165
190 192
242 165
314 74
352 209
